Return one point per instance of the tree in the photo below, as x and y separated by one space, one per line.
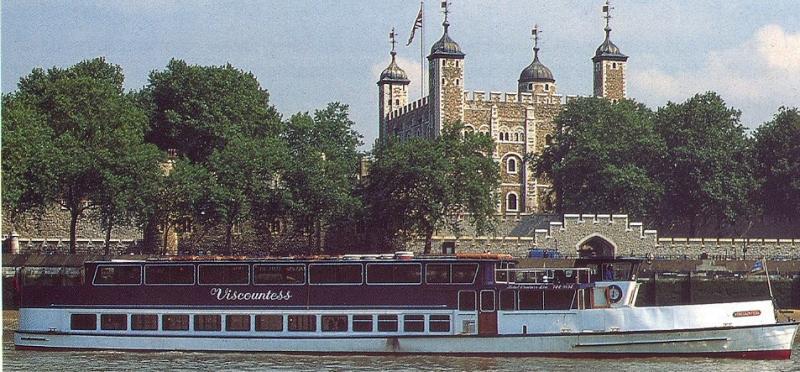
777 163
421 185
196 109
603 158
218 118
322 176
87 119
27 141
129 176
244 175
706 174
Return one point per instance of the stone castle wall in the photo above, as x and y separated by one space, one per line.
516 235
48 232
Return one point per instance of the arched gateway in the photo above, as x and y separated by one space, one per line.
596 245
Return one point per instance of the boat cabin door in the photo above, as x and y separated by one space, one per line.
487 314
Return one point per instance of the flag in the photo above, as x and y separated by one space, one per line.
417 24
758 266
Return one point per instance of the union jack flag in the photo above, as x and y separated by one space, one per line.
417 24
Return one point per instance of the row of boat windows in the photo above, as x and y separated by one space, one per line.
285 274
524 299
263 323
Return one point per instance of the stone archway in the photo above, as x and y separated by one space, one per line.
596 245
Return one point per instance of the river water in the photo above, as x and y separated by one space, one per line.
14 360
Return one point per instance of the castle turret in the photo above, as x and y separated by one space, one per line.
446 71
536 78
392 90
609 66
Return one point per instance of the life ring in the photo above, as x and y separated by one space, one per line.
613 294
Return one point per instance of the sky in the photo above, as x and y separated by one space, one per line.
309 53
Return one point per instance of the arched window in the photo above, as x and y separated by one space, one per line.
397 102
548 140
511 202
546 87
511 165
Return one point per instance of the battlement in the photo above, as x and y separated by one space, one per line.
413 106
511 97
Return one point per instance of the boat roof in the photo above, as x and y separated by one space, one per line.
394 257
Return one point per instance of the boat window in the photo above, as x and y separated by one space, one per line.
335 274
83 322
279 274
466 300
169 274
559 299
50 276
487 300
410 273
504 276
508 299
362 323
223 274
175 322
207 322
118 275
237 322
334 323
437 273
414 323
269 323
302 323
144 322
114 322
439 323
464 273
387 323
531 299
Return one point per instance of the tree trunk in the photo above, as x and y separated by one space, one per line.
163 249
73 226
318 235
228 238
110 225
428 241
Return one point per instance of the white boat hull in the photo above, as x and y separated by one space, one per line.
761 342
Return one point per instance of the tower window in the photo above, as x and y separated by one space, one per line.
614 65
530 86
442 81
397 102
511 202
511 165
456 63
456 81
547 87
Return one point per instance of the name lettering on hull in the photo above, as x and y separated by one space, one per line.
228 294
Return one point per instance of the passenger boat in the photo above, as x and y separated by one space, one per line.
478 304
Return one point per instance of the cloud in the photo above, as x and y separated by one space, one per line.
757 76
780 50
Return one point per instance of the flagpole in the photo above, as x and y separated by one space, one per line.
422 53
769 284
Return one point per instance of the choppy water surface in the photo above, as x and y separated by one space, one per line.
14 360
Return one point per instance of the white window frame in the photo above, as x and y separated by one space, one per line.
516 200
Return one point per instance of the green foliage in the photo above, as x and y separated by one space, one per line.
321 177
196 109
705 172
776 155
604 158
27 141
80 127
421 185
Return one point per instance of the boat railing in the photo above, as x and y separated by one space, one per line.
541 275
